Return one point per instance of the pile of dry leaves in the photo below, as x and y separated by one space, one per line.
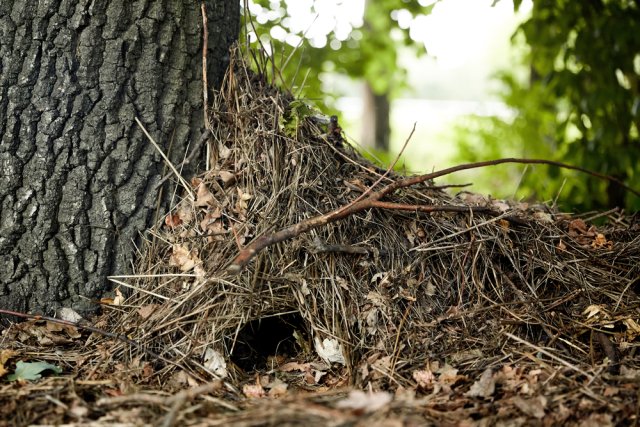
430 307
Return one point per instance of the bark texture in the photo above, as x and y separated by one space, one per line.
77 177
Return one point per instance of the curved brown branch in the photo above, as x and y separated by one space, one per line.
373 201
421 178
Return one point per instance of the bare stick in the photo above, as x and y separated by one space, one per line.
270 57
205 85
166 159
192 155
373 201
383 176
245 255
551 355
421 178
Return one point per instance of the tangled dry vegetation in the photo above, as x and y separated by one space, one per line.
486 313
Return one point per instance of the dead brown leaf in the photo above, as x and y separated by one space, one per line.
534 407
204 198
484 387
147 310
253 391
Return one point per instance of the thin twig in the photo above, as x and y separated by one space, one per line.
205 85
383 176
551 355
166 159
192 155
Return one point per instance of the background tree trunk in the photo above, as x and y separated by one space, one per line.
376 113
78 178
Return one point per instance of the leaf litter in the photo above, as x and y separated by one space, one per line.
523 316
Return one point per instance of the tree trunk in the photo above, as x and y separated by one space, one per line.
375 119
79 178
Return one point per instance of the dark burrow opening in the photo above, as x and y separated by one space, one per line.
260 340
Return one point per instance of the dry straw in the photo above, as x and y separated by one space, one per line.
393 289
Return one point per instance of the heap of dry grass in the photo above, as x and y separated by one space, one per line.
395 290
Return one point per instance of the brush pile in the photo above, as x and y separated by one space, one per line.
383 292
491 300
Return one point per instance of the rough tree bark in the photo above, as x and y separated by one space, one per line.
77 177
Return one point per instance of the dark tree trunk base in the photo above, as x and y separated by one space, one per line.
78 178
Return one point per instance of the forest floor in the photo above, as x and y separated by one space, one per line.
295 283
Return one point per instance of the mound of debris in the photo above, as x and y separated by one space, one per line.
294 262
384 291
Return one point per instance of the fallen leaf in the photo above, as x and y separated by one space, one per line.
577 226
484 387
119 299
5 356
253 391
31 371
113 392
597 420
78 410
448 374
533 407
185 212
595 310
561 246
295 366
381 367
501 205
277 388
172 220
226 177
223 151
214 361
204 197
600 241
68 314
473 198
543 217
183 258
424 378
330 350
633 329
147 310
147 370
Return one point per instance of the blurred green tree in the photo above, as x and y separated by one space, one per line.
580 103
365 49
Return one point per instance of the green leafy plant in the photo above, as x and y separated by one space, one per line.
580 105
297 112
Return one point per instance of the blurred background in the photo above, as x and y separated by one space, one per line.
481 79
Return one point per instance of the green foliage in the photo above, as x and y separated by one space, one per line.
581 104
32 371
369 52
294 116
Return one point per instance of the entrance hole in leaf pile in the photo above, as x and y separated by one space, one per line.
261 341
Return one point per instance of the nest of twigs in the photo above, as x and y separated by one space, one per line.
381 294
